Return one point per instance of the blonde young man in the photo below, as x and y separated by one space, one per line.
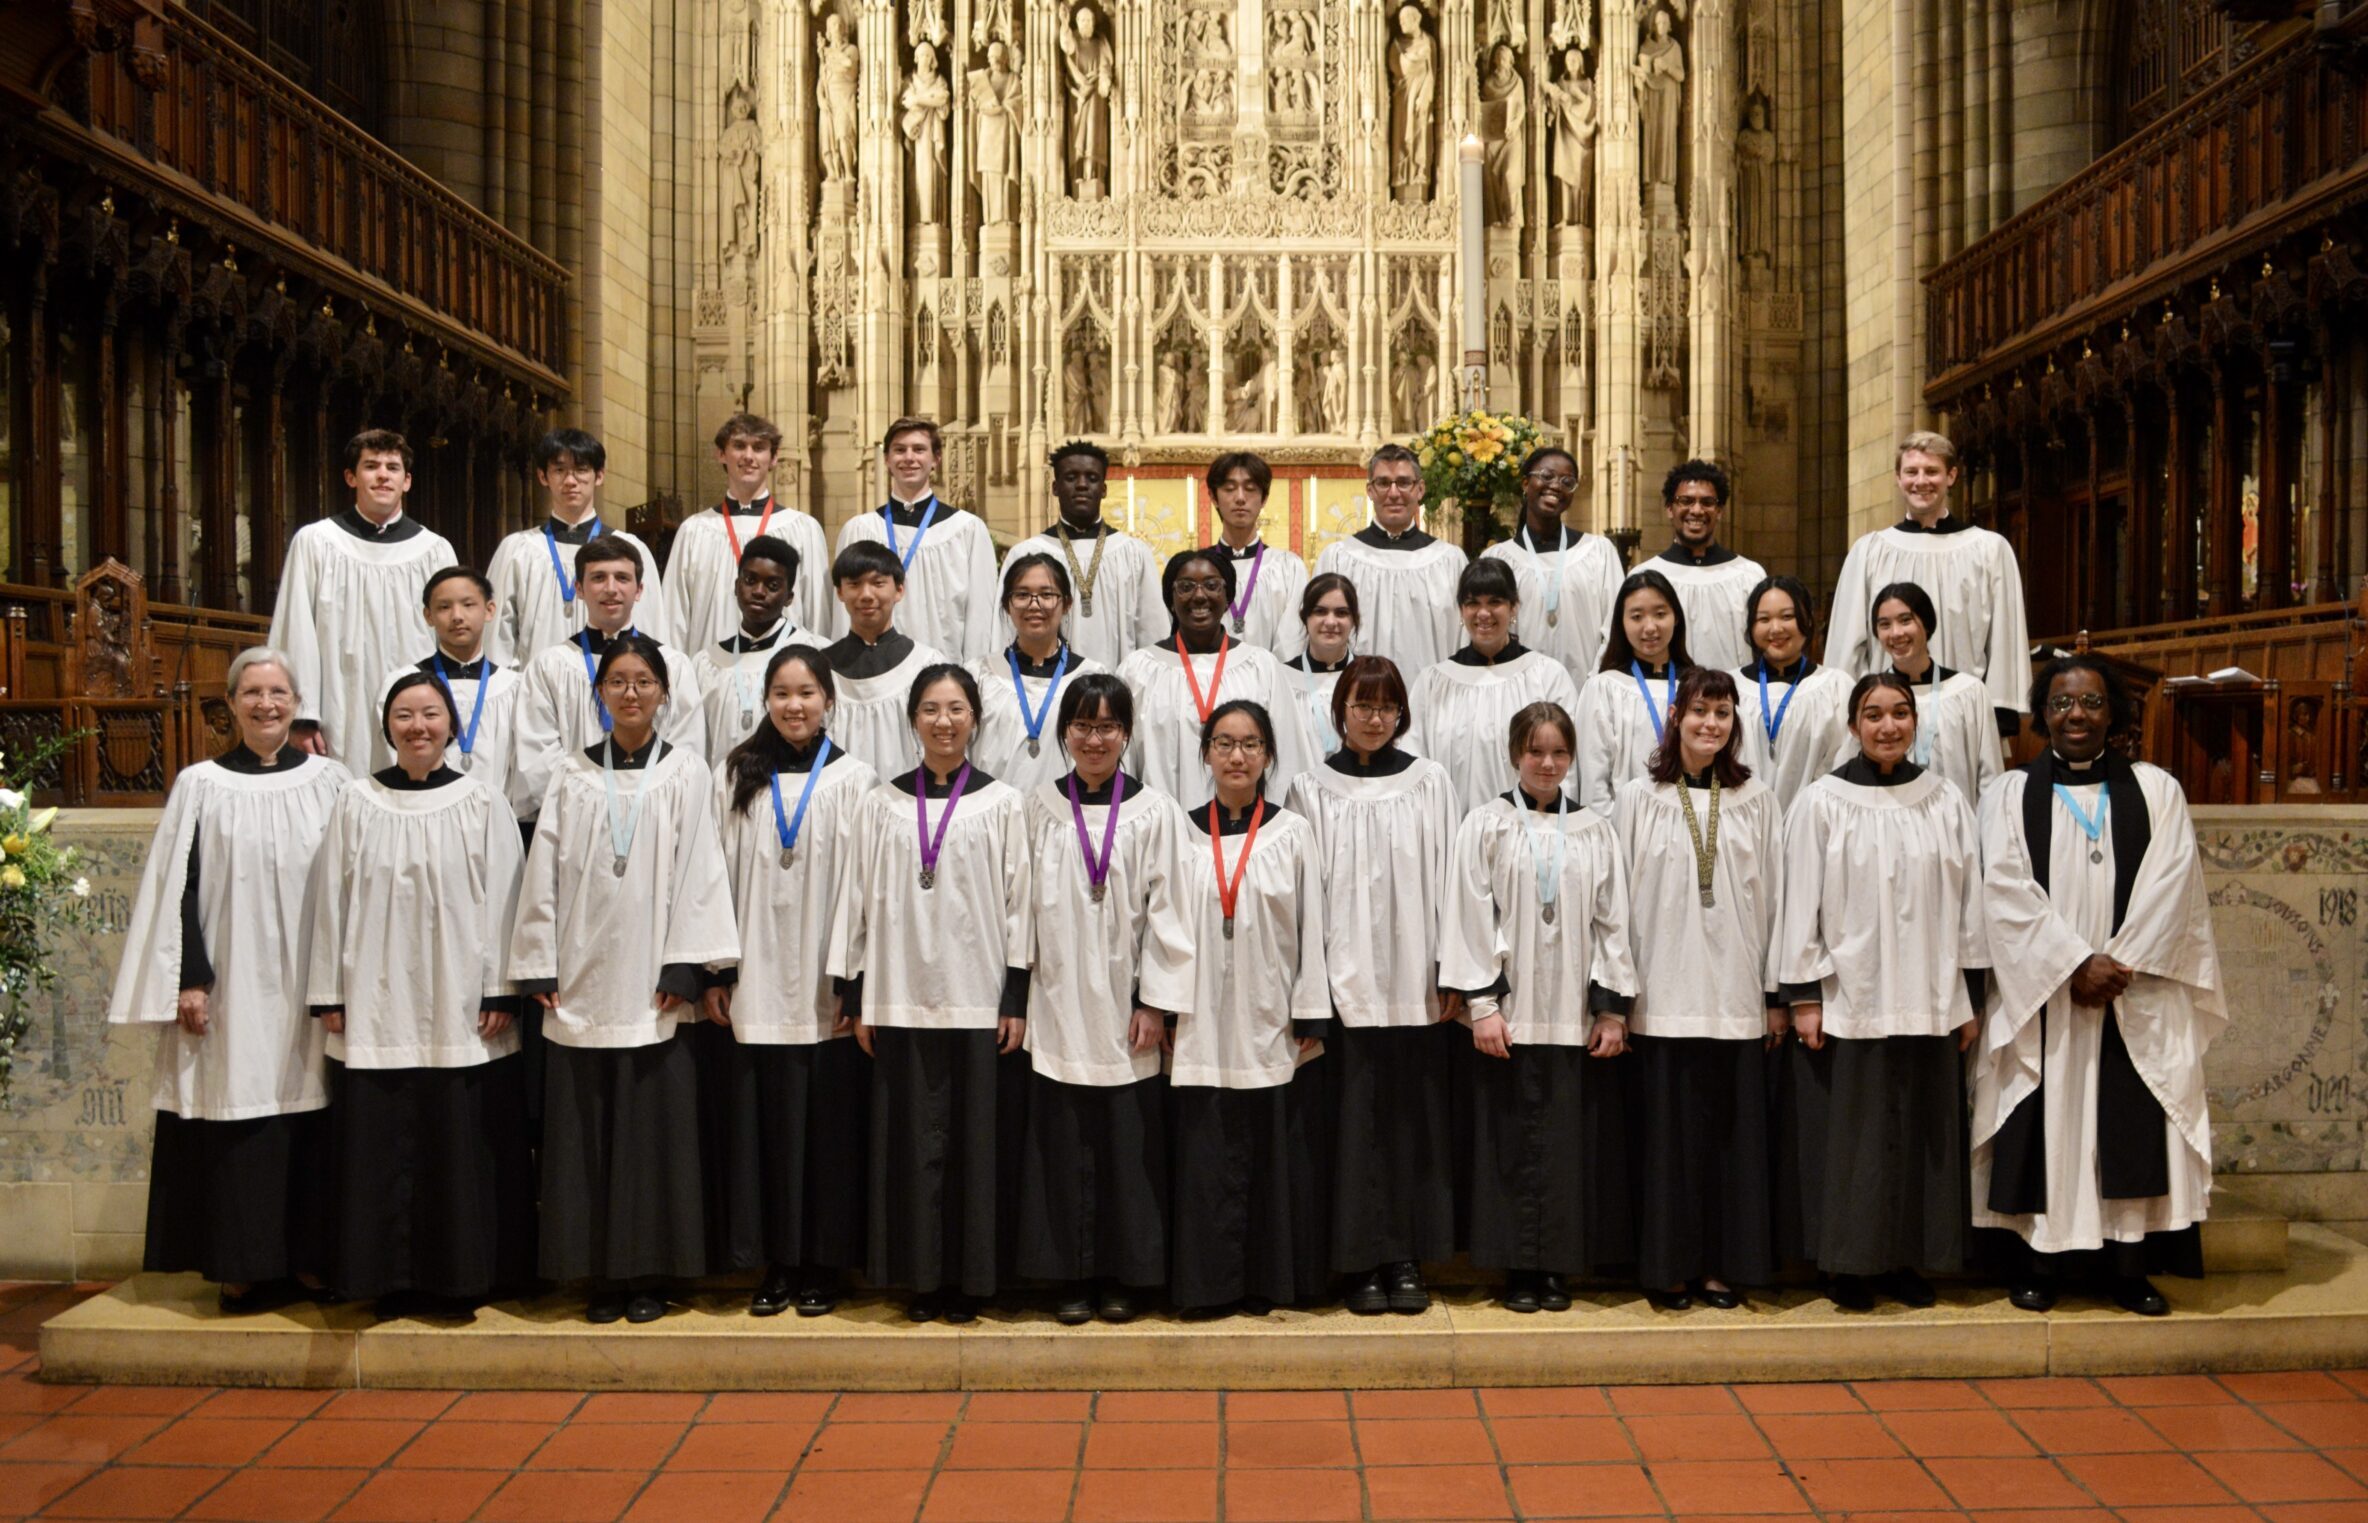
704 564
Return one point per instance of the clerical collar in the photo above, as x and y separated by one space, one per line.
1309 664
1379 538
455 669
908 515
1653 673
1244 553
1699 779
853 656
753 508
1031 668
594 642
1229 825
911 781
1934 676
1529 803
1514 650
572 534
1862 772
1716 555
797 758
1063 529
1389 761
403 782
2091 770
1100 794
1799 671
1949 523
242 758
395 530
625 761
742 643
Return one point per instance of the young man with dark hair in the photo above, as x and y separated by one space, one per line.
534 586
1405 579
559 713
1567 577
732 671
460 611
348 594
1265 605
1115 575
947 555
875 664
1712 581
703 567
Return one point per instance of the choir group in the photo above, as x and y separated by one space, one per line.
1206 929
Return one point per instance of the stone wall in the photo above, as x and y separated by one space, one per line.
2289 1083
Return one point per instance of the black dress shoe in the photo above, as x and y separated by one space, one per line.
1366 1295
1205 1313
1409 1296
817 1298
1908 1288
605 1306
2033 1294
960 1310
1723 1300
1520 1292
644 1306
1118 1304
773 1296
1076 1306
925 1308
1553 1292
1669 1300
2135 1293
1851 1292
1256 1306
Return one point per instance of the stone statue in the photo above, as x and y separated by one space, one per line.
1208 66
1167 402
1414 86
1413 384
1572 100
1755 183
1081 376
995 93
1660 71
837 79
1504 111
1091 71
1291 64
1335 392
928 103
740 146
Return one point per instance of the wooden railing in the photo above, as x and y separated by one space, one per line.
241 133
2282 131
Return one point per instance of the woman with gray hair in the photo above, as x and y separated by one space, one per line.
215 956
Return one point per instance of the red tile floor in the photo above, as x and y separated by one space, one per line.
2278 1448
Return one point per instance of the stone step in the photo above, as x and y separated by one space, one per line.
2242 1236
164 1329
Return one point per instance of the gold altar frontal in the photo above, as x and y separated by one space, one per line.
2278 1298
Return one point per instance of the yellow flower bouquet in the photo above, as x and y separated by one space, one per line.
1475 459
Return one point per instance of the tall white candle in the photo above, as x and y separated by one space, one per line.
1475 272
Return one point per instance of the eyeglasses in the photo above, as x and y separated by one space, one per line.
1560 483
1215 584
2090 703
1104 731
1038 597
1694 500
1227 745
629 687
1394 484
1373 712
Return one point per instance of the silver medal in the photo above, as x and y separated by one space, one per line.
1708 898
1035 746
618 867
1237 623
1548 912
1101 892
789 855
2095 855
1553 617
1229 928
929 877
1086 605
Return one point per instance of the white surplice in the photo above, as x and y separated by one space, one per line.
1405 599
1956 735
784 996
348 617
1812 732
732 687
1002 742
951 593
1620 724
1976 590
531 615
256 836
1165 749
869 715
1705 970
2170 1015
701 568
1463 716
1713 598
1089 954
411 909
1267 583
1315 690
1235 999
606 939
1493 922
934 959
1382 848
1566 596
1126 613
558 715
492 746
1883 905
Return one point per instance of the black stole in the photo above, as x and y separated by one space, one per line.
2132 1156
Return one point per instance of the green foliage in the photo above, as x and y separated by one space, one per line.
42 892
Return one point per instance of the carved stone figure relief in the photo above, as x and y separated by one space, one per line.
1504 114
1755 188
1089 70
740 149
838 76
928 102
1660 72
995 95
1414 92
1571 100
